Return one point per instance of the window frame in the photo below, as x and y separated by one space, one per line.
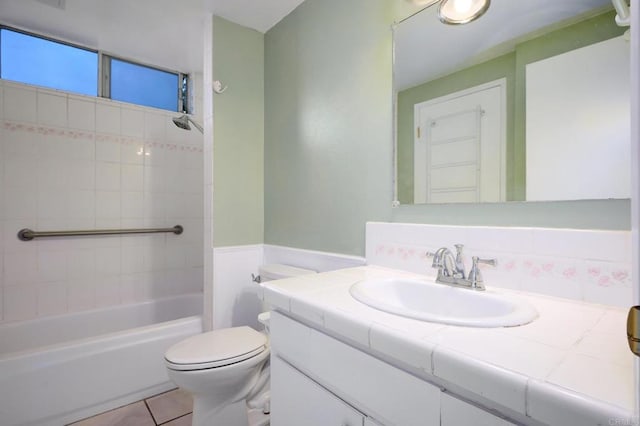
103 75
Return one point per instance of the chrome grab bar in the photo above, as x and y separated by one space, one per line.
28 234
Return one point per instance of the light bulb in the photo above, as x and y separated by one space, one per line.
462 6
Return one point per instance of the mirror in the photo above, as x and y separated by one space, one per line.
528 103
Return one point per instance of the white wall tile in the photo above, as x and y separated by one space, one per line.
107 176
108 206
132 204
133 124
107 150
132 177
19 204
154 125
52 173
132 260
82 264
19 173
82 114
81 295
107 261
132 152
1 103
20 302
20 268
107 118
52 266
19 139
20 104
90 157
82 175
52 109
52 204
52 299
80 148
107 291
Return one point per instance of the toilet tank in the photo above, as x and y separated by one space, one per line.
277 271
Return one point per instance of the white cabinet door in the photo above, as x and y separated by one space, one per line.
297 400
454 412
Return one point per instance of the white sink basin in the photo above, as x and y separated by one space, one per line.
427 301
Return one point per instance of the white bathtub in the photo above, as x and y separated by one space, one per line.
61 369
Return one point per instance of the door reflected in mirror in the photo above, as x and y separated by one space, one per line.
528 103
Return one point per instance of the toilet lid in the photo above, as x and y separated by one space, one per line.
215 349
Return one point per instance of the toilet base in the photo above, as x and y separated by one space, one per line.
229 415
258 418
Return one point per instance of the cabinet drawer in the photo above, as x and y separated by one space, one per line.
455 412
297 400
372 386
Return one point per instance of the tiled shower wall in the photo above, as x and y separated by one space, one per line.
74 162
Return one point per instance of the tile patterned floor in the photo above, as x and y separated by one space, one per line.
171 408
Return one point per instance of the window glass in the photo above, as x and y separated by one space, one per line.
34 60
142 85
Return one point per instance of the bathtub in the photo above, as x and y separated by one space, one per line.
57 370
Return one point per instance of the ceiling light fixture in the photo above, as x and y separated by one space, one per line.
457 12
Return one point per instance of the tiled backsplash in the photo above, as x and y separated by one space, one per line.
589 265
76 162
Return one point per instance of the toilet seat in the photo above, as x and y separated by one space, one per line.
215 349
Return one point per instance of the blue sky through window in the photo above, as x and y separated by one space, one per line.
41 62
142 85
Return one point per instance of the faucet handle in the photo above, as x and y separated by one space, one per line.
475 276
492 262
437 259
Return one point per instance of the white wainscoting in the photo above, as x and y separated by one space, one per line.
236 298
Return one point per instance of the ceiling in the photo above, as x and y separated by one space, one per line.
260 15
165 33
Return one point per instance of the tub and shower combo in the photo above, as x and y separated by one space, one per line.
59 369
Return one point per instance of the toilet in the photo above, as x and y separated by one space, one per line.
223 368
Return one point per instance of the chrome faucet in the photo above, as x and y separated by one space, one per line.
451 268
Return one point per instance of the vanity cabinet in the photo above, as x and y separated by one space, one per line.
319 380
298 400
455 412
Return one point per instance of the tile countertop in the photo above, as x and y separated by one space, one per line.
571 365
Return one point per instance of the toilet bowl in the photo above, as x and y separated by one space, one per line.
219 369
224 368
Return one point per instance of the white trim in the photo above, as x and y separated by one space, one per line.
310 259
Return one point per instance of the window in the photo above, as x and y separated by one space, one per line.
142 85
32 59
42 62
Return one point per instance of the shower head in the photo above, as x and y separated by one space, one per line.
183 123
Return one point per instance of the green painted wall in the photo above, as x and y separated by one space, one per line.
328 149
511 66
328 141
238 163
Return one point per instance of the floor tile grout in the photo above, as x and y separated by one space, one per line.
169 421
150 412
